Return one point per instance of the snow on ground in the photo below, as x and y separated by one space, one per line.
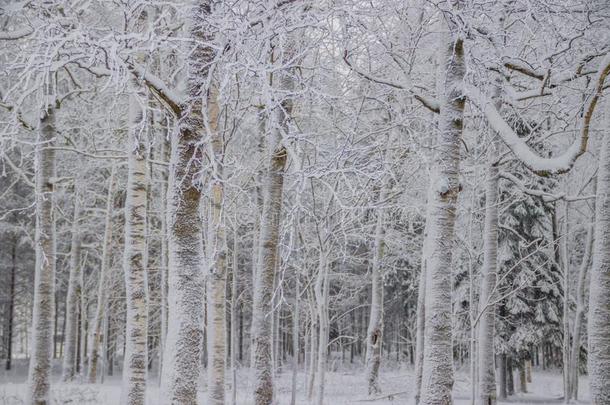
344 387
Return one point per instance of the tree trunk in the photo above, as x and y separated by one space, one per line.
420 332
11 306
263 287
437 374
486 392
103 283
580 312
216 288
375 327
510 380
273 185
503 392
522 376
71 332
599 299
321 293
234 314
39 375
135 363
166 153
183 347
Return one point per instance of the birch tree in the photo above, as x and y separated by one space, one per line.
39 375
72 299
437 369
181 357
103 283
135 364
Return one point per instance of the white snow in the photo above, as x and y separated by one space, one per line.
343 387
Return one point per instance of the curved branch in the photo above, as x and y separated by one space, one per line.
536 163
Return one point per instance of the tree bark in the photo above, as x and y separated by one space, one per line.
321 294
437 374
135 363
580 312
184 343
101 307
273 186
599 299
375 327
72 304
39 375
263 287
216 288
11 306
486 392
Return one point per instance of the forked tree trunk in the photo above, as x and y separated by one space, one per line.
39 375
135 363
103 284
72 303
437 373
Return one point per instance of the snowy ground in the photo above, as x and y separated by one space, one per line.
345 387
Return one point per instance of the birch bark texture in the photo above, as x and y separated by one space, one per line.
264 281
486 393
103 283
72 302
185 282
273 187
217 257
375 327
437 371
486 390
39 374
599 298
135 363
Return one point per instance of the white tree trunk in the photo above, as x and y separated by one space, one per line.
216 282
486 392
135 363
263 287
599 298
273 188
72 302
184 342
100 310
580 312
321 294
437 373
166 153
234 314
39 375
375 327
566 306
420 326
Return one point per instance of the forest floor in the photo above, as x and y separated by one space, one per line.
343 387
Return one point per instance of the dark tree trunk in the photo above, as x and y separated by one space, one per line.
11 307
502 394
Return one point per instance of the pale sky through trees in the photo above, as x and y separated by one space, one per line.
282 202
